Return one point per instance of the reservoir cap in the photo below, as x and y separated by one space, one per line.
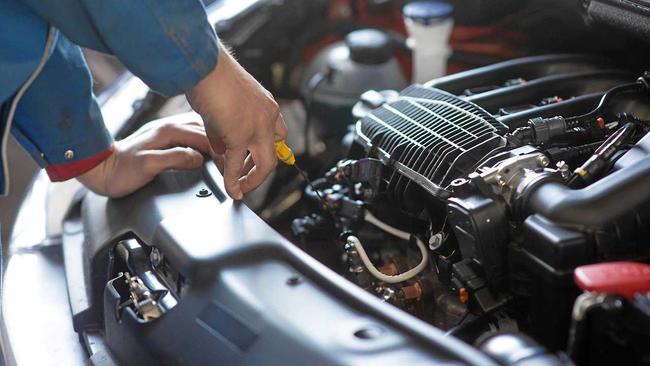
427 12
369 46
619 278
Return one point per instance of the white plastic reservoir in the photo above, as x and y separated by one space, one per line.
429 24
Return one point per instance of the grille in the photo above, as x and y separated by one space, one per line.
429 135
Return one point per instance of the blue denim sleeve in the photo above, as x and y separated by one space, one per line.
58 120
169 44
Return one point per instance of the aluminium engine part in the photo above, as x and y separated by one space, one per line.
430 136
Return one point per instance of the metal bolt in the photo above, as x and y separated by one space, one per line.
155 257
350 248
435 241
204 193
501 181
68 155
388 294
544 161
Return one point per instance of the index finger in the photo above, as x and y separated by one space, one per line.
265 160
232 170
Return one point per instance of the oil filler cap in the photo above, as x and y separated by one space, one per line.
619 278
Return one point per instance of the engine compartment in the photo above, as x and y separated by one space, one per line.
470 201
497 215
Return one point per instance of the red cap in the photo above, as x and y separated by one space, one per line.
620 278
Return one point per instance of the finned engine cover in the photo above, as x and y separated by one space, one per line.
430 136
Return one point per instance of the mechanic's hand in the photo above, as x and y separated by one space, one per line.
242 120
172 143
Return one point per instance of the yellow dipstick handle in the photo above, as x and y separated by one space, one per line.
284 153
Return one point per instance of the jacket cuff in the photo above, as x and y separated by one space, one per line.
66 171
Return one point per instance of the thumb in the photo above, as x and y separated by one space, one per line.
182 158
281 131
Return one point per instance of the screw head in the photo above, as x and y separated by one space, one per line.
204 193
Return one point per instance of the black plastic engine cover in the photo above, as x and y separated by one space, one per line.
251 297
480 225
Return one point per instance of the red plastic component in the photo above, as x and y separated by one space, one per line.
619 278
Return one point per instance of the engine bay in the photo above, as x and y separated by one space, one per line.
470 201
496 213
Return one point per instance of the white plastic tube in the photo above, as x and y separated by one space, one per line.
399 234
370 218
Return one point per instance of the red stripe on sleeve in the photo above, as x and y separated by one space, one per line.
63 172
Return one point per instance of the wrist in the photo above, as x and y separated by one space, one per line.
95 178
75 169
215 87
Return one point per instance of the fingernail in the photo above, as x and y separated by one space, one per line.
239 196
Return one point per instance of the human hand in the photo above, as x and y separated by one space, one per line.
172 143
242 121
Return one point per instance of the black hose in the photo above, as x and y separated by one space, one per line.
600 202
573 153
601 158
579 121
315 184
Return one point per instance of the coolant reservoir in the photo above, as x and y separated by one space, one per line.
429 25
364 61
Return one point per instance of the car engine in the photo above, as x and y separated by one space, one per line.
469 201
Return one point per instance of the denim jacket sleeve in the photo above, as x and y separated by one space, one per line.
169 44
58 120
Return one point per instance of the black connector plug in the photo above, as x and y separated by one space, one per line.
546 129
539 131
